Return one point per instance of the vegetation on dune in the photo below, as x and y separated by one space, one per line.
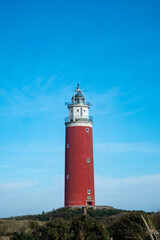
8 227
70 224
128 226
68 213
155 218
79 228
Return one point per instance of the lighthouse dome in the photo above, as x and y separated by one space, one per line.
78 97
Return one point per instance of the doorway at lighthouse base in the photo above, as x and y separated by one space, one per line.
89 203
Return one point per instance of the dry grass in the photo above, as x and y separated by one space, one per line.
4 238
8 227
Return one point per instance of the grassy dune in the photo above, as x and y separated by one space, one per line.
115 223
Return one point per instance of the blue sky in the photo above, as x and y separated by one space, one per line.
112 48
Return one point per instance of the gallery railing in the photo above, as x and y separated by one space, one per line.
78 119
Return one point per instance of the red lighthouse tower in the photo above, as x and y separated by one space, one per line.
79 171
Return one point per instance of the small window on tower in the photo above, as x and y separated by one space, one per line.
84 110
77 110
67 176
88 160
67 145
89 191
87 129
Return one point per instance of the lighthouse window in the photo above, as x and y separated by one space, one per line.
87 129
67 176
68 145
88 160
77 110
89 191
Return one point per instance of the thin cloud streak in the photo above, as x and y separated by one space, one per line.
34 110
140 96
128 181
128 192
17 186
6 166
105 103
112 102
34 98
41 96
127 147
31 148
33 201
133 112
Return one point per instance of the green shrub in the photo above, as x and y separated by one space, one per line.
79 228
129 227
23 236
86 228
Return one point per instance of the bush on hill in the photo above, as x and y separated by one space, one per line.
79 228
100 224
129 226
68 213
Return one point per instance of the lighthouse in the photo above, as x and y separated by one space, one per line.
79 167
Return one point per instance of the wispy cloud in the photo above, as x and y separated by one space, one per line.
135 192
105 102
133 102
136 97
36 199
132 112
127 147
6 166
31 148
34 110
149 180
16 186
116 102
40 96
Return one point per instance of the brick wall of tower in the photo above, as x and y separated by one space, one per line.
79 174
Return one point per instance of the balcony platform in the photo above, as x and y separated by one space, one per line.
78 119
